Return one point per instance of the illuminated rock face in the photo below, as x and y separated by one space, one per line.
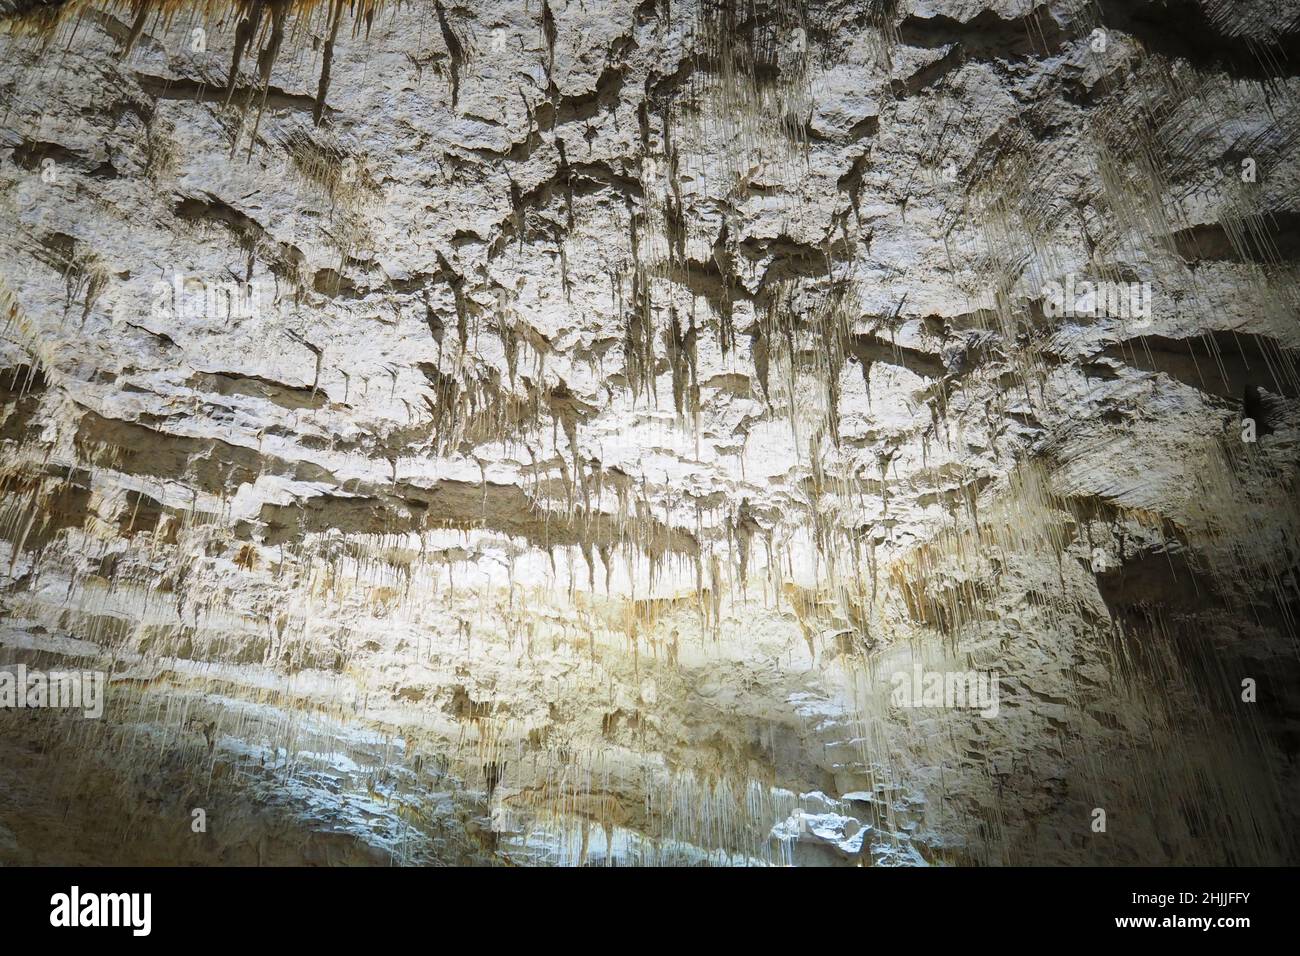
630 433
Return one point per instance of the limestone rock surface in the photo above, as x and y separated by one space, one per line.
545 432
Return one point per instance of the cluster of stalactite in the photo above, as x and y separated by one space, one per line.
749 76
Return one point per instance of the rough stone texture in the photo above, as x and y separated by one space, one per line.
628 392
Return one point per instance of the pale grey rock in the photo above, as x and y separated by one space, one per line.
453 549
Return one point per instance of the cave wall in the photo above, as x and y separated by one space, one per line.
523 432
